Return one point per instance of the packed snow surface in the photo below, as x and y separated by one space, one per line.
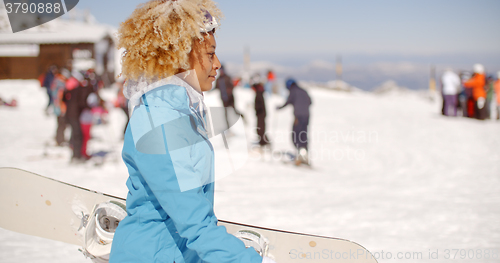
388 172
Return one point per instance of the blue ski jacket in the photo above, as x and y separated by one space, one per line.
170 216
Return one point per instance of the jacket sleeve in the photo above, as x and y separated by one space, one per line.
170 171
473 82
290 100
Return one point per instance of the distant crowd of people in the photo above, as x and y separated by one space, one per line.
470 95
73 97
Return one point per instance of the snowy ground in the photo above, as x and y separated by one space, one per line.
389 172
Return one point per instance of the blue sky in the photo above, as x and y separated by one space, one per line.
448 32
419 27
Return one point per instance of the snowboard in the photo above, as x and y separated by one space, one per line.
36 205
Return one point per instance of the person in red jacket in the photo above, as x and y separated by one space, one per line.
270 82
476 83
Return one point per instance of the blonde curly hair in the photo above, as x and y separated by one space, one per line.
159 36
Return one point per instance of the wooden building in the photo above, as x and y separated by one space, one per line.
75 45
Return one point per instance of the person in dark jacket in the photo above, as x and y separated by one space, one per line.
75 98
260 110
225 85
301 101
47 84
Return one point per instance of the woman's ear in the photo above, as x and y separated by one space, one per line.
195 56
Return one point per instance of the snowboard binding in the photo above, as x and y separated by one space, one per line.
255 240
100 228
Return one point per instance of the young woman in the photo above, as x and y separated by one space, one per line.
169 61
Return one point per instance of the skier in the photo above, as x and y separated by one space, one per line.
464 95
47 83
75 98
86 120
260 109
301 101
93 111
489 88
170 204
270 82
58 88
226 87
476 83
451 85
497 91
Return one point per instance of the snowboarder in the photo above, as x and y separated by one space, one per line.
226 87
451 85
301 101
170 160
476 84
260 109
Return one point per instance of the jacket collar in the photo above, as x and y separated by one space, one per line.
142 86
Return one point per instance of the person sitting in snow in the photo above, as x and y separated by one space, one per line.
169 62
12 103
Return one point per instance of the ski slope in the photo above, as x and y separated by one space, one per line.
389 172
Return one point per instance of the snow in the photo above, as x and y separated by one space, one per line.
389 172
390 86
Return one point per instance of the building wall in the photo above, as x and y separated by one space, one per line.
4 67
23 68
56 54
18 68
60 55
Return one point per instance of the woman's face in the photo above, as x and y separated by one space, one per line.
205 62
